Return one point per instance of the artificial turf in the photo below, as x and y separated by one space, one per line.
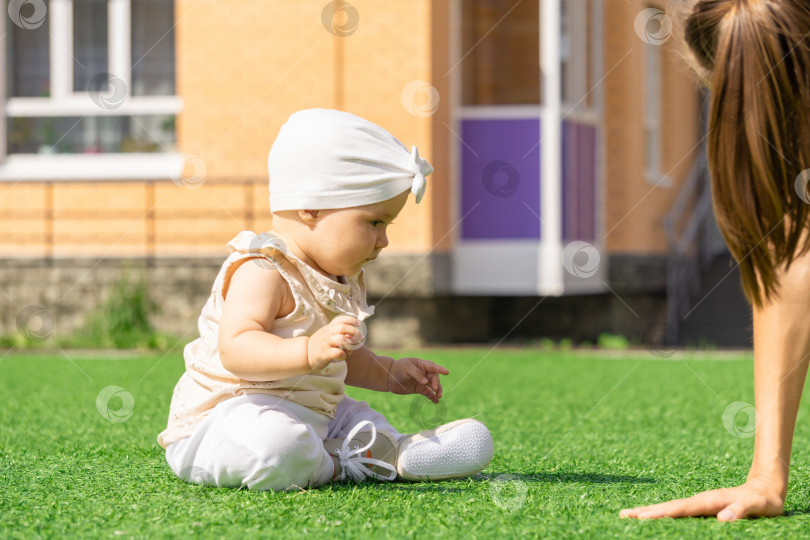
578 436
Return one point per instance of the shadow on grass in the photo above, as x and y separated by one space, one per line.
568 477
459 484
556 477
797 512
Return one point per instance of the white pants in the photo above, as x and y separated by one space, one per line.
266 443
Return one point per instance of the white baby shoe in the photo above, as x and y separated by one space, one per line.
363 454
453 450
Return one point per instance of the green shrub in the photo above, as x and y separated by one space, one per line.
123 320
612 341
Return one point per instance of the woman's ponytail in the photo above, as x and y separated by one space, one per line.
754 55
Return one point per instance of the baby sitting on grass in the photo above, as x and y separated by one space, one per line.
262 403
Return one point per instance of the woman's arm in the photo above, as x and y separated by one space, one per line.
781 350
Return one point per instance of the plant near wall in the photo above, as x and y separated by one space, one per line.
123 320
46 134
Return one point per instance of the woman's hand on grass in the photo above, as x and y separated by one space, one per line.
416 376
755 498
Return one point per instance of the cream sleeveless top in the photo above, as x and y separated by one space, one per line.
318 300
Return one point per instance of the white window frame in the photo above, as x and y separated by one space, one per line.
533 267
3 38
64 101
652 117
574 46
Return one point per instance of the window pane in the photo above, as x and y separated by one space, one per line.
27 53
501 52
652 104
153 48
89 42
91 135
565 53
590 52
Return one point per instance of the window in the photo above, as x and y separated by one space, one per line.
501 39
578 50
652 114
93 76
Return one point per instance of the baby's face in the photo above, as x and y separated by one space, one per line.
344 240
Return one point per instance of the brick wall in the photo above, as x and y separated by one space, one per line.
243 68
634 206
410 293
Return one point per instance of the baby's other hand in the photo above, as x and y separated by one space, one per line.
329 343
416 376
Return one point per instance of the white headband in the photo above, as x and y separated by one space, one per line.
325 159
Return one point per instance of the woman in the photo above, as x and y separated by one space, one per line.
754 55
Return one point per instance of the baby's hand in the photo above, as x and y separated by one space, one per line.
329 343
416 376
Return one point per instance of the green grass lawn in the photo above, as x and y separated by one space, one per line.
578 436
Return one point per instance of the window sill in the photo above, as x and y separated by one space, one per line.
83 105
91 167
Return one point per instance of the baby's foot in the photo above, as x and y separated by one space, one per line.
363 454
453 450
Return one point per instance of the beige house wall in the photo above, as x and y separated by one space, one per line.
634 206
243 68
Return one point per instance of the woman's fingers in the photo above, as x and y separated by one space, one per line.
753 503
708 503
727 504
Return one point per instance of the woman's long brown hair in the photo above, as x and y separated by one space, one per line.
754 56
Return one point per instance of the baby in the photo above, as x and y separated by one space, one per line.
262 402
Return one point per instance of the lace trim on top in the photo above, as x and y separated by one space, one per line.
342 298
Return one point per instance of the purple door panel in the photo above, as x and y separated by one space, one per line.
500 179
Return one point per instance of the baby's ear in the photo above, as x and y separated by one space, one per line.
308 216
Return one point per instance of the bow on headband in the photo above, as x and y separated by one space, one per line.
422 169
